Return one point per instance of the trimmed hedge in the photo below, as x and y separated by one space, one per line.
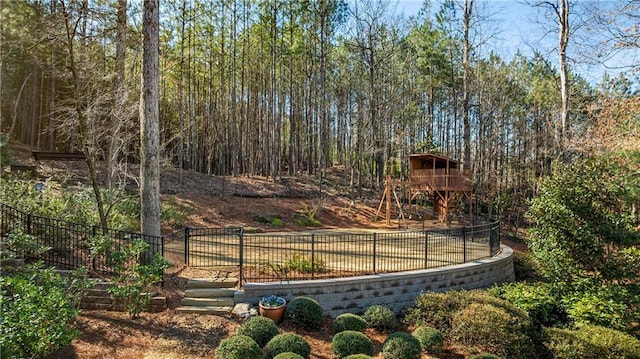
591 342
304 312
488 328
380 317
288 355
358 356
431 340
350 342
238 347
260 329
485 356
348 321
401 346
287 342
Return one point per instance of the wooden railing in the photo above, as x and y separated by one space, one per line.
439 180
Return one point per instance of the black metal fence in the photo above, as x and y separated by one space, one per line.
266 256
270 256
70 244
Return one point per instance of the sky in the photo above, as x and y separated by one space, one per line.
517 27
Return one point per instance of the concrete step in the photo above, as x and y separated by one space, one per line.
212 283
207 302
209 292
212 310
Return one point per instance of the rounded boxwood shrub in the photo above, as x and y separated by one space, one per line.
260 329
350 342
591 342
358 356
348 321
238 347
401 346
287 342
380 317
288 355
304 312
434 310
504 330
431 340
485 356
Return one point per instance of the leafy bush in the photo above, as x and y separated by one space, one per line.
260 329
606 306
238 347
348 321
525 268
401 346
434 309
23 245
350 342
132 277
38 307
287 342
380 317
288 355
303 264
305 312
536 299
591 342
485 356
431 340
584 222
503 330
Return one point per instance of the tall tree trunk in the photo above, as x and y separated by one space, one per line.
563 41
466 47
149 134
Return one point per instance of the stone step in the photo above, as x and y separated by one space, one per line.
209 292
207 302
212 310
212 283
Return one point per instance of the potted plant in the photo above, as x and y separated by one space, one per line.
272 307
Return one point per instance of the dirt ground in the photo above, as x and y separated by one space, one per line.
214 201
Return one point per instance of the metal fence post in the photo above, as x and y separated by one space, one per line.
374 252
241 252
313 255
426 249
28 223
186 245
464 244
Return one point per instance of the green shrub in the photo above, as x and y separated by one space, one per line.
485 356
350 342
38 307
238 347
380 317
303 264
483 327
434 309
605 306
591 342
431 340
401 346
288 355
536 299
260 329
348 321
358 356
276 222
287 342
304 312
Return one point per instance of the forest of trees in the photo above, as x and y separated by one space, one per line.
280 87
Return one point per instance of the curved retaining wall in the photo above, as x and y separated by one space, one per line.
394 290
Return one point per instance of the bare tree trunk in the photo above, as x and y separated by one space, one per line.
468 10
149 134
563 40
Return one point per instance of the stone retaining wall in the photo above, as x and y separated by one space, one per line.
394 290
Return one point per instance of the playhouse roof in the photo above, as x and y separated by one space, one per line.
432 155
